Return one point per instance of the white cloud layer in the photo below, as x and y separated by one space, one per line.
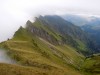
14 13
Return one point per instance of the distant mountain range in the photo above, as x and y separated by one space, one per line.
93 29
82 20
90 25
75 19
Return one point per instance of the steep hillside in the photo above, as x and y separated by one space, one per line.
61 32
94 32
30 50
92 65
49 46
90 24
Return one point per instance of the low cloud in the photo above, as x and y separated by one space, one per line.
15 13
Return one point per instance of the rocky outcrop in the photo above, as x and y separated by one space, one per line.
41 33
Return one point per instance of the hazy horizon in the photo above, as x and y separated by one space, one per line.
15 13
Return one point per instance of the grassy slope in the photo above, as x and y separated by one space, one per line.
82 46
43 57
39 24
92 65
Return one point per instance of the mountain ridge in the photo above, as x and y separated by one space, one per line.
65 30
47 50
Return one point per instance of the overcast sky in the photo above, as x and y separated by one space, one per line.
14 13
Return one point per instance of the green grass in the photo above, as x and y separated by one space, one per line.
81 46
22 34
92 65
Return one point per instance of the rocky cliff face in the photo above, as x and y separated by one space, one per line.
41 33
51 36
